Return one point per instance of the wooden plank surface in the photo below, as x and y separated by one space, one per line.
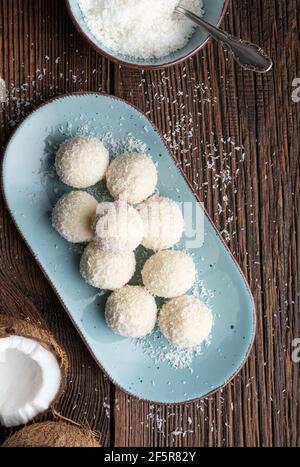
237 136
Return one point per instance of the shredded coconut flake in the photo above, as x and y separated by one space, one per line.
3 91
144 29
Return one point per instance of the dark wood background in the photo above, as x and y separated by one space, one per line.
41 56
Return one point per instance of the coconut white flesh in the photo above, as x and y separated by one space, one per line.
30 380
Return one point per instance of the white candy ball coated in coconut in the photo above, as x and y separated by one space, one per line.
106 270
163 223
185 321
169 274
72 216
131 312
132 178
118 227
82 162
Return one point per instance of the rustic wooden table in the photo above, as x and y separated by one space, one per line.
251 190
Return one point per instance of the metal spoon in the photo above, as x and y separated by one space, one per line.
249 56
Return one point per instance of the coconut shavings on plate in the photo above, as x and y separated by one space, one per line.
143 29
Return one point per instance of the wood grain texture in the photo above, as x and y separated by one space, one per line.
40 55
237 136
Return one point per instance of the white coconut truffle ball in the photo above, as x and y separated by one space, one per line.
131 312
82 162
185 321
132 178
163 223
169 273
72 216
118 227
106 270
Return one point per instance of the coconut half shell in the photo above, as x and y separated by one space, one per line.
11 327
53 435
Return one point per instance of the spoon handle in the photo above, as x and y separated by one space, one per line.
249 56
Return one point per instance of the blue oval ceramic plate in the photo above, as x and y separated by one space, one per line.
149 369
214 12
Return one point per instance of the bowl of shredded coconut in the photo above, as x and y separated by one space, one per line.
144 33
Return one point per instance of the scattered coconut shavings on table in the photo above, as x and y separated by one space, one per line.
163 420
181 432
156 420
216 156
107 408
3 91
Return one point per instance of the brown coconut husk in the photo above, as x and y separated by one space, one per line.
53 435
10 326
